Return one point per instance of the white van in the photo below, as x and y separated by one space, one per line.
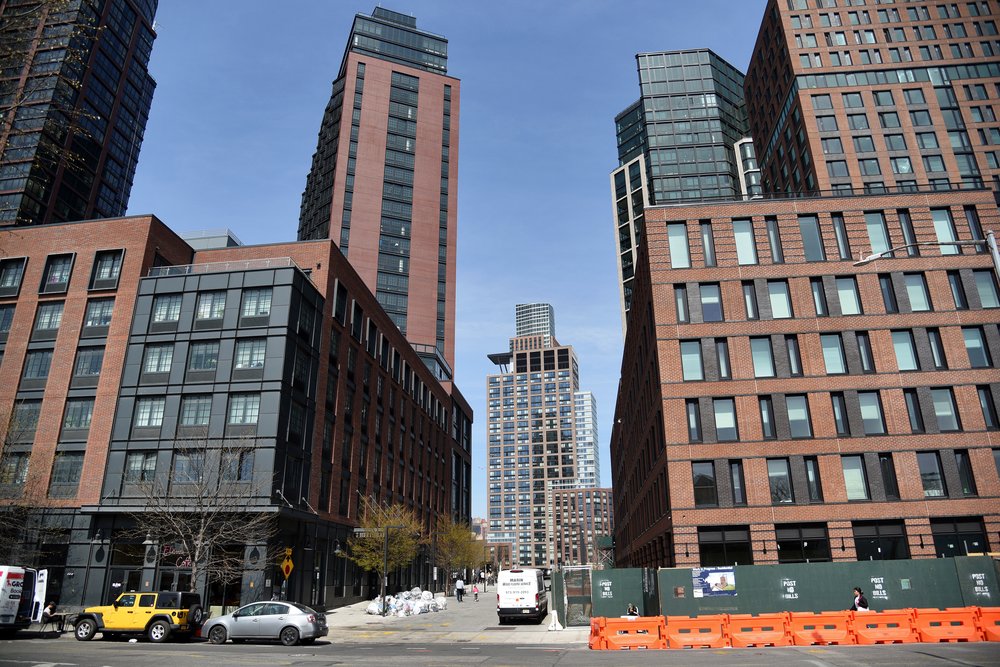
521 594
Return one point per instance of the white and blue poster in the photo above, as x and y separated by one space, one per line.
713 581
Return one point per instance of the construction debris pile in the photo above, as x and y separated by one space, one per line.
408 603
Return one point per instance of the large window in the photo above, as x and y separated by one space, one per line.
705 493
813 484
746 247
937 349
211 305
855 479
750 301
975 345
988 407
833 354
888 293
965 477
691 365
158 358
916 291
986 287
167 308
149 412
99 312
944 227
677 237
880 540
711 302
779 477
850 299
931 476
11 273
781 302
189 467
913 410
88 362
958 291
65 479
724 545
107 268
812 239
799 424
36 364
49 316
79 413
250 353
257 302
945 410
725 420
906 351
204 356
802 543
878 232
774 240
871 413
763 358
140 467
57 273
196 410
237 465
959 536
244 408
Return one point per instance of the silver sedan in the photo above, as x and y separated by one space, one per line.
289 622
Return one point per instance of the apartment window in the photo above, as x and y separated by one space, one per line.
812 239
140 467
204 356
781 302
49 316
99 312
79 413
691 364
821 102
767 417
975 345
833 354
705 490
965 476
237 465
6 318
917 292
779 477
250 353
107 269
149 412
244 408
888 293
929 464
864 144
888 119
840 413
986 288
826 123
945 410
927 140
88 362
739 483
832 146
167 308
857 121
794 356
871 413
680 252
711 302
196 410
681 304
913 410
693 420
724 545
211 305
189 466
257 302
878 233
708 243
819 297
869 167
855 479
957 291
65 479
837 169
36 365
840 233
11 274
906 351
895 142
14 469
813 484
750 301
725 420
774 240
746 248
937 349
847 293
988 408
865 352
158 358
799 423
944 227
880 540
722 358
763 358
57 272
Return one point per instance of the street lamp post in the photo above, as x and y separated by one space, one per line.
990 242
385 567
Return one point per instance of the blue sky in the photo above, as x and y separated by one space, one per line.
241 88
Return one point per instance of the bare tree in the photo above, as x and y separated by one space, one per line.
44 48
23 497
208 507
389 537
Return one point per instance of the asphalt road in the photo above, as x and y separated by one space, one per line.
69 653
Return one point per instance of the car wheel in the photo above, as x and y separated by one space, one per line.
289 636
196 615
158 632
217 635
85 630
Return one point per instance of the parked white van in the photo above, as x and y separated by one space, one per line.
521 594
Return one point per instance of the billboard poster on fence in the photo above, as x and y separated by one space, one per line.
712 581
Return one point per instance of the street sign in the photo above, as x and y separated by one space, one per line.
287 566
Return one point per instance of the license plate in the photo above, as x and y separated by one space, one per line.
525 611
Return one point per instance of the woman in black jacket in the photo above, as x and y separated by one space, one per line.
860 601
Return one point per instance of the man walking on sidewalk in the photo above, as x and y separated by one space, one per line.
459 589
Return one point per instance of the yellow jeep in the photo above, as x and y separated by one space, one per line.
158 615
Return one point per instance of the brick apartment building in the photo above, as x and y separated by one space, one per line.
581 517
122 345
782 401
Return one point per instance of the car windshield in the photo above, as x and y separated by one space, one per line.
304 609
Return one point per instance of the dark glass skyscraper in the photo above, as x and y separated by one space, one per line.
383 178
73 107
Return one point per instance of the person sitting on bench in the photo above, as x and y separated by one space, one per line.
49 615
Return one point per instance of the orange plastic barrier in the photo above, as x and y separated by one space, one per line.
646 632
950 625
761 630
988 620
700 632
884 627
828 627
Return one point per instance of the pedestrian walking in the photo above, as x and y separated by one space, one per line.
860 602
459 589
475 592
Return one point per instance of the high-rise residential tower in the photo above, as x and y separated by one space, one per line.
383 182
73 107
535 319
677 143
876 97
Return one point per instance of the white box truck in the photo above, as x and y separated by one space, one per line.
22 597
521 594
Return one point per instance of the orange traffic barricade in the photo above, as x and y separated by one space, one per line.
646 632
988 619
949 625
827 627
700 632
884 627
760 630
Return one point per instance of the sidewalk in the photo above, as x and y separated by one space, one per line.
467 623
